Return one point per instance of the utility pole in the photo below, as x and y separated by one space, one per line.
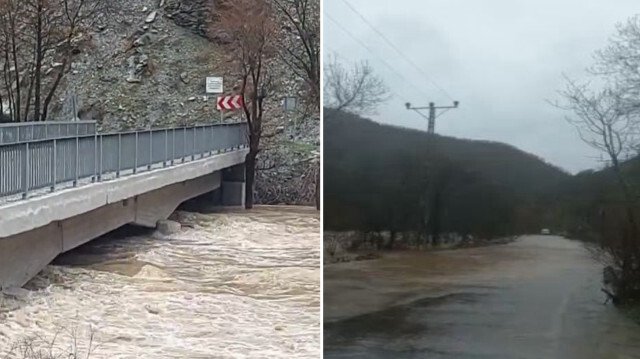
432 113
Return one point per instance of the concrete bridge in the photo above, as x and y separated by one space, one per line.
60 188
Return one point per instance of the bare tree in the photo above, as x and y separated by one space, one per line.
619 62
357 89
32 33
250 25
603 121
607 123
300 48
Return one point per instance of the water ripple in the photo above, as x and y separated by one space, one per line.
237 285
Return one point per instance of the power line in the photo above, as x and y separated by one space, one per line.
374 54
407 59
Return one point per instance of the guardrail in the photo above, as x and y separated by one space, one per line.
31 131
37 165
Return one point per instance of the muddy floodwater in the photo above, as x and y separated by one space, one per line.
536 298
236 284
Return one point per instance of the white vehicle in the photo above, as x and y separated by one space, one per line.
545 231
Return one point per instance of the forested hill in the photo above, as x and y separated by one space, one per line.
383 176
584 199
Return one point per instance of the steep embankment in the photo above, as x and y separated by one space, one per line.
383 174
145 66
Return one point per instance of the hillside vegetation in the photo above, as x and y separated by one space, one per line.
385 178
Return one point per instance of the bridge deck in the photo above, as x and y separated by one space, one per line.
59 193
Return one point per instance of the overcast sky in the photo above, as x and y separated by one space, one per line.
502 59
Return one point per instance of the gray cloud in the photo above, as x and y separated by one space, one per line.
502 59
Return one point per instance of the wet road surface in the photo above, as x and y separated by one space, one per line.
537 298
239 284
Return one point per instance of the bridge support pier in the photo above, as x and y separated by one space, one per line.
233 186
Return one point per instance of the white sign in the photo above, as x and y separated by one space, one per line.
290 103
214 85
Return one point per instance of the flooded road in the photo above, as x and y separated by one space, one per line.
238 284
536 298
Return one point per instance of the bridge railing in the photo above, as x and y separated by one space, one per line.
32 131
48 164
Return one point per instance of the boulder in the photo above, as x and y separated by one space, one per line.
168 227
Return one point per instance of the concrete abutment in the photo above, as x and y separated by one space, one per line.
34 231
233 186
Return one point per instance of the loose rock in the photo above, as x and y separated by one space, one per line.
142 40
152 17
167 227
184 77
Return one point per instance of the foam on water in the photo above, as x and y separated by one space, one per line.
237 285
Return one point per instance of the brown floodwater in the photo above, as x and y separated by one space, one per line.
239 284
536 298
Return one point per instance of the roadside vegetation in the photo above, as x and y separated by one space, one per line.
605 110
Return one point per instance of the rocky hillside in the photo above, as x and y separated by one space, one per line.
145 66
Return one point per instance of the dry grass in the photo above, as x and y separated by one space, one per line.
64 344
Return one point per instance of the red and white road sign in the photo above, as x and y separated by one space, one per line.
230 102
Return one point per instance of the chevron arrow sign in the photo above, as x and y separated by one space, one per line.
230 102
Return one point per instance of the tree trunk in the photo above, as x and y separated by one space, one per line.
14 53
250 174
38 65
392 240
318 190
49 98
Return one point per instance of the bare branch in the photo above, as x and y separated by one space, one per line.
356 90
250 26
300 48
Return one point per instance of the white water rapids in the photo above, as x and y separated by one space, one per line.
236 285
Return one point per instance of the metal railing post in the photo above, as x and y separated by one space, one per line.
184 144
95 158
54 159
150 149
173 154
135 161
166 147
119 155
195 141
25 172
77 169
100 168
210 140
223 128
